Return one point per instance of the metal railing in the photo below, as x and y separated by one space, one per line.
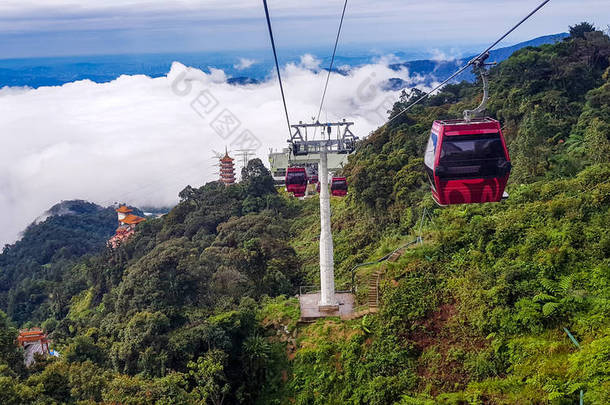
377 290
383 259
313 289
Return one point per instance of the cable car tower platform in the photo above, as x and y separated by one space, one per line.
329 302
343 143
305 152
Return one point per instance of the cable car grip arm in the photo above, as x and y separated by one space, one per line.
481 66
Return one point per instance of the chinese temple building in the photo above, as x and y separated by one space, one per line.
34 341
127 226
227 169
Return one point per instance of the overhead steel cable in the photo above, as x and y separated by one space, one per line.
277 67
332 61
470 63
427 94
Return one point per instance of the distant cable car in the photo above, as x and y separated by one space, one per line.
296 181
467 162
338 186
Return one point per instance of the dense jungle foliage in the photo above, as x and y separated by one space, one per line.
197 307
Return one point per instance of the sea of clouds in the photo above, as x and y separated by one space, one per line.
140 140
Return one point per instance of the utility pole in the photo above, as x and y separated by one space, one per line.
244 155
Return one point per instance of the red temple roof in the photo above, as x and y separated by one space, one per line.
123 209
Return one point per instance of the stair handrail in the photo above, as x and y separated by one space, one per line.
377 290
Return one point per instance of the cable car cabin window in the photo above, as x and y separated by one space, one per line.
339 185
430 150
297 178
429 157
472 156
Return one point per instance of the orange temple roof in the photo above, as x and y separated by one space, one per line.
31 335
123 209
132 219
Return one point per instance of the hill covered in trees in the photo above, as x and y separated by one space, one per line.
35 266
196 307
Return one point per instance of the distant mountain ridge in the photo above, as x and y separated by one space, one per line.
434 70
71 207
86 225
38 72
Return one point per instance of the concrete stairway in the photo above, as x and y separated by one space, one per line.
396 255
373 294
373 288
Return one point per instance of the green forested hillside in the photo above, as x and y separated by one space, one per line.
194 308
36 266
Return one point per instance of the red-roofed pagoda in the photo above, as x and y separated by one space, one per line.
227 169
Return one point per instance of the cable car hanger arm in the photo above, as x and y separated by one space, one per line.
480 65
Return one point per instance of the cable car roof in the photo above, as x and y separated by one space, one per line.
461 127
472 121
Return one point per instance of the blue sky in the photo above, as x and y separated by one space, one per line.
77 27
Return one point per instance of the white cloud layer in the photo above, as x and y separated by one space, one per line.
308 61
244 63
140 140
438 55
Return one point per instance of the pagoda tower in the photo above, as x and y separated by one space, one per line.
227 169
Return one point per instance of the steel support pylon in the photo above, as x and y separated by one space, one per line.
327 265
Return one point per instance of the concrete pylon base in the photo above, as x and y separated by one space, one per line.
327 308
310 310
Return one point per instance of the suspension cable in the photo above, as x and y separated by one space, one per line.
332 61
277 67
471 62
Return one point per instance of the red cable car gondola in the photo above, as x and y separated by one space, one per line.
467 162
338 186
296 181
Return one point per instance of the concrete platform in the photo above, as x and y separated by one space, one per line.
310 310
